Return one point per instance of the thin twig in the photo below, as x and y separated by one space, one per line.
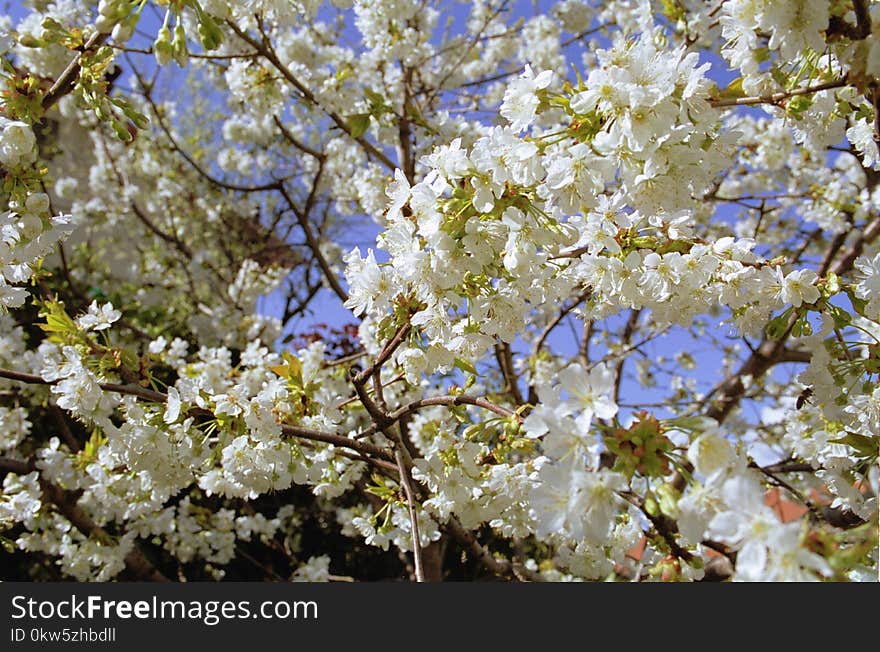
776 98
407 488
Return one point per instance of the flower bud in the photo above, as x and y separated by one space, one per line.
178 46
125 30
210 34
105 24
30 41
30 225
107 8
37 203
17 143
162 49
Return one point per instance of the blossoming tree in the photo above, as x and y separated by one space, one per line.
625 288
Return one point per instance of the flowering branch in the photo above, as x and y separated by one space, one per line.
66 80
780 97
265 49
158 397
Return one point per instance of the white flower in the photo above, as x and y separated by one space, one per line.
799 287
751 526
14 427
37 203
21 498
710 453
588 392
869 283
316 569
796 25
520 99
861 135
157 346
172 406
370 286
576 503
17 143
99 318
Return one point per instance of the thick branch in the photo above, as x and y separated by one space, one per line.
837 26
498 566
386 352
18 467
67 80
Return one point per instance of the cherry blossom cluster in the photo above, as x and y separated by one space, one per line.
612 273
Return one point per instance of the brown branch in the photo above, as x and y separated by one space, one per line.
312 240
778 98
171 239
789 467
66 433
626 339
583 34
337 440
67 80
503 567
666 527
289 137
414 521
18 467
404 130
465 49
448 400
553 323
267 51
504 356
837 26
461 399
386 352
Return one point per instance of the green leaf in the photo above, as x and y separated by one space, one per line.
374 98
865 446
291 369
776 328
732 91
796 106
465 366
358 124
344 72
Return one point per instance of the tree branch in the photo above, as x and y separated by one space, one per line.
269 54
413 517
777 98
299 432
67 80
